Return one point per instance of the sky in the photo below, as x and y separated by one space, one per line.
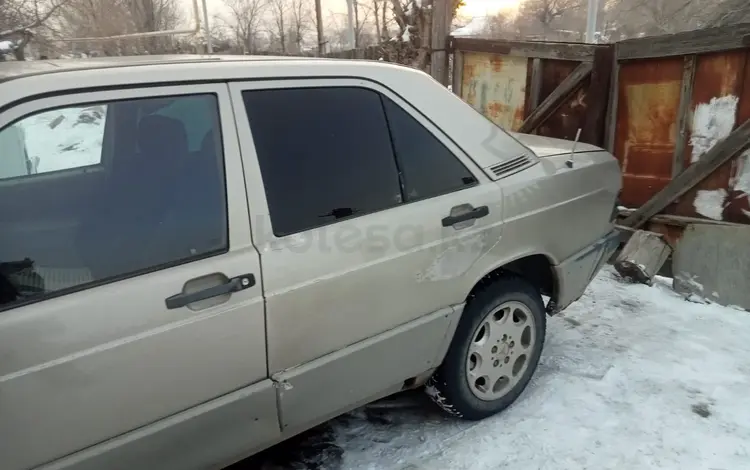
338 7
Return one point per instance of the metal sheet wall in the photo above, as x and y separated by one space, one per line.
647 134
495 85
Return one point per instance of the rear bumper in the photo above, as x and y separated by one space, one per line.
575 273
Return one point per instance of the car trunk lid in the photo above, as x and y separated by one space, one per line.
550 147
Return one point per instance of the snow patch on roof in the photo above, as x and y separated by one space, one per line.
475 27
6 47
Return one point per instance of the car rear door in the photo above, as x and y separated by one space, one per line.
132 330
363 218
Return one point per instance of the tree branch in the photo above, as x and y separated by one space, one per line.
34 24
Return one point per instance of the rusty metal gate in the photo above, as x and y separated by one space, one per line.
549 89
658 103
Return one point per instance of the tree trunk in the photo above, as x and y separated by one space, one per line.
377 20
357 26
384 34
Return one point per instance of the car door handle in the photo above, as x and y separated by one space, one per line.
476 213
235 284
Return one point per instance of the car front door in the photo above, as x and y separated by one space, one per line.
372 228
132 331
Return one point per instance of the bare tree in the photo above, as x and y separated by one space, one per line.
155 15
244 19
729 12
103 18
300 23
363 12
96 18
280 10
414 19
378 8
537 17
633 18
19 19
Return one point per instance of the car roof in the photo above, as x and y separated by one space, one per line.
18 69
27 82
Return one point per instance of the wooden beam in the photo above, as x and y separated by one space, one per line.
691 42
614 99
722 152
458 73
686 97
563 92
597 97
441 20
535 88
542 50
676 221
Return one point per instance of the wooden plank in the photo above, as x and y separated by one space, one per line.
723 151
594 127
614 98
691 42
686 96
535 88
458 72
569 86
542 50
441 20
677 220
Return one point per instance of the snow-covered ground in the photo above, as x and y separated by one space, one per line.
632 377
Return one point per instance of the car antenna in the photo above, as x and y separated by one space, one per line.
573 150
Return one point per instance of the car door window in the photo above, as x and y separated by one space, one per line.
325 155
428 168
156 204
73 140
191 111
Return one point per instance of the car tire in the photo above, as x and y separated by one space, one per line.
494 352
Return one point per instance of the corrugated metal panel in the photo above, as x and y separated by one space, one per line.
569 117
495 85
712 117
738 202
648 101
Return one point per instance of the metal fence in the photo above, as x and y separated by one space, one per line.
658 103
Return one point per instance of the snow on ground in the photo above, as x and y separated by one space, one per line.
632 377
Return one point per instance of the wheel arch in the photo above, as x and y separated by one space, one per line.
535 268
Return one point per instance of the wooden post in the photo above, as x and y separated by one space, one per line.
319 21
614 98
536 83
441 21
594 128
686 96
458 72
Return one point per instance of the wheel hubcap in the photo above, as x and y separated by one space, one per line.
500 350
